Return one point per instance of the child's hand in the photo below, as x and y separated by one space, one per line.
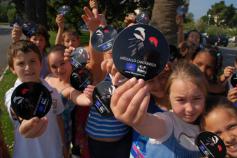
130 101
88 91
67 53
179 20
108 66
60 21
34 127
92 19
228 71
16 33
232 94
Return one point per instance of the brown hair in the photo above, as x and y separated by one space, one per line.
187 71
23 46
215 102
70 32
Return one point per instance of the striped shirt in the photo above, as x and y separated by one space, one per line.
99 126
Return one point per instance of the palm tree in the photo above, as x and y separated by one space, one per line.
164 18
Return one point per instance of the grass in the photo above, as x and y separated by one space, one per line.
8 82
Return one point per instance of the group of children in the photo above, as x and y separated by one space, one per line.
160 117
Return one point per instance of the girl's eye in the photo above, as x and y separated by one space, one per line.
180 100
232 127
20 64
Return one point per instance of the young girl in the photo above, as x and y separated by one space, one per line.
220 117
172 134
60 79
209 61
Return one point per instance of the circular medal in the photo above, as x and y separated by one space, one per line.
103 38
79 57
210 145
102 96
233 80
140 51
63 10
29 29
31 99
142 18
80 78
181 10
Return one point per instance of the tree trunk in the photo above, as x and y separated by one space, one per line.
164 18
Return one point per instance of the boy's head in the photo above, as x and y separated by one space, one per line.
71 39
24 60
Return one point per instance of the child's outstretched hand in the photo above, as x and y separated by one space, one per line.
16 33
60 21
232 95
34 127
67 53
228 71
130 101
92 19
88 91
108 66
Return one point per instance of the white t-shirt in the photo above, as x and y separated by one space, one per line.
179 140
49 144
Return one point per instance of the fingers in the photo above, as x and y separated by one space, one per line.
129 101
67 53
88 12
34 127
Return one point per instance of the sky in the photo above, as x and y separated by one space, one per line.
200 7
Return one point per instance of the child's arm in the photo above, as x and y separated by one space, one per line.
60 23
93 21
129 104
79 98
34 127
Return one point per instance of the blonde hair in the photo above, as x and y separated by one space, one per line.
188 72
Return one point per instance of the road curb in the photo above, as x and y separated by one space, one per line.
1 77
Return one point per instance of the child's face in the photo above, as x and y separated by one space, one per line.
58 66
27 67
223 123
194 38
158 83
206 63
71 41
39 41
187 100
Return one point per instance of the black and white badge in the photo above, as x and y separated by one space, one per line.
63 10
79 57
142 18
233 80
29 28
103 38
140 51
102 96
80 78
31 99
210 145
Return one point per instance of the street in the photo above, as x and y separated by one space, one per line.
5 39
229 54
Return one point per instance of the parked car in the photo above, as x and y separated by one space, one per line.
218 40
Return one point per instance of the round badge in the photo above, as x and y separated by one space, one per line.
79 57
29 29
181 10
80 78
103 38
101 97
63 10
233 80
142 18
140 51
210 145
31 99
